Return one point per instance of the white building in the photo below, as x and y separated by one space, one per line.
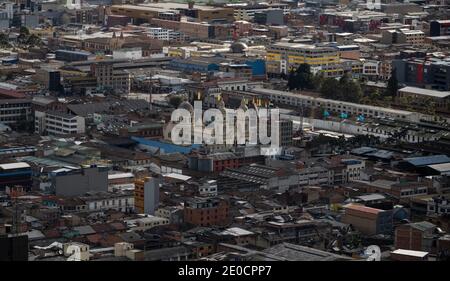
371 68
128 53
58 123
102 201
73 4
299 100
208 188
164 34
438 206
146 222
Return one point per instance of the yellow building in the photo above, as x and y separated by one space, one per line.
281 57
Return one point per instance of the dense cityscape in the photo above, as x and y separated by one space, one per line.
93 94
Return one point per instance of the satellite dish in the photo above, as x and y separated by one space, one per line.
373 253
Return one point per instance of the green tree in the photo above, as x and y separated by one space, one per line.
330 88
317 81
24 33
175 101
301 79
24 30
34 40
304 76
349 90
392 85
4 40
292 80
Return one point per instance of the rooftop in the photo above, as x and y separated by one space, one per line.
412 253
425 92
428 160
362 208
11 166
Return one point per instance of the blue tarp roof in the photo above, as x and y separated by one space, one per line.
166 147
428 160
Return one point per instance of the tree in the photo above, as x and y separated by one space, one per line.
330 88
292 80
23 35
34 40
304 76
301 78
4 40
175 101
349 89
317 81
346 89
24 30
392 85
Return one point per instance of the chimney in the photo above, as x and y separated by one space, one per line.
191 5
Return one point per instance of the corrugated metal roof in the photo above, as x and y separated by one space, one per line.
428 160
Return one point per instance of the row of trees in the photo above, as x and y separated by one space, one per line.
345 89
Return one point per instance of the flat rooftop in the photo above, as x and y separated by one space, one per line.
425 92
411 253
164 7
322 100
299 46
10 166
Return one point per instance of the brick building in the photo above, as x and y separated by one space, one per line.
419 236
206 211
369 221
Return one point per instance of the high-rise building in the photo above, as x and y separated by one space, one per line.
146 195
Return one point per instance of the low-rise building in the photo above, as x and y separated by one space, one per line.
369 221
58 123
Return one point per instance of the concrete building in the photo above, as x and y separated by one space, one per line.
111 79
206 211
102 201
165 34
15 174
146 194
58 123
283 56
412 37
269 17
208 188
75 182
50 78
13 111
296 100
174 214
200 13
438 206
439 28
423 72
422 99
418 236
69 56
145 223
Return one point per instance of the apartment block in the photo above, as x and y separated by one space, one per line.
58 123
